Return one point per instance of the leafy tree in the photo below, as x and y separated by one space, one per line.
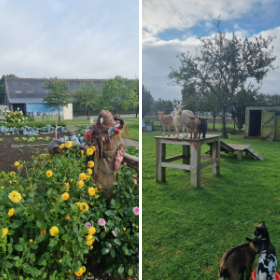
223 65
273 100
58 95
164 105
87 96
120 93
146 101
2 87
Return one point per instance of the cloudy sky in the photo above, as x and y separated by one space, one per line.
69 38
174 27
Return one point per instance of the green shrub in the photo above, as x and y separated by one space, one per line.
45 217
37 124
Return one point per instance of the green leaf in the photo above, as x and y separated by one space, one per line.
53 242
6 264
130 272
65 237
41 224
113 253
120 270
16 224
117 242
33 245
105 251
18 247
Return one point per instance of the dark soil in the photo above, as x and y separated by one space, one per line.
9 155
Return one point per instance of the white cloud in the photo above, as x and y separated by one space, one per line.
69 39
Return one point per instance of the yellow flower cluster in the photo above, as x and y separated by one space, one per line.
82 176
4 232
89 171
81 271
16 164
68 144
83 206
91 191
65 196
53 231
67 186
15 196
61 147
80 184
91 150
11 212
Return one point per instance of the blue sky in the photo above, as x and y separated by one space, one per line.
174 27
69 39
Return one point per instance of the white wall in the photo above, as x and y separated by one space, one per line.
68 112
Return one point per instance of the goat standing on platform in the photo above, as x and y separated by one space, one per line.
166 121
182 118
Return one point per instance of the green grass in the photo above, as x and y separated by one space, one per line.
186 230
133 131
132 119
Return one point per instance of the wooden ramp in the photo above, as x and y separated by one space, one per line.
239 149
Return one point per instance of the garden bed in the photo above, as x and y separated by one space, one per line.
8 155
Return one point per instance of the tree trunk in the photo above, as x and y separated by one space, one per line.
58 113
214 122
224 123
234 127
88 114
137 111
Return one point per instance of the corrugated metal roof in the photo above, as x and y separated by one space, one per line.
25 100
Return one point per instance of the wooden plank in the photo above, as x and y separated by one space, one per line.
175 165
176 142
239 147
195 162
206 157
186 154
216 154
207 163
226 147
174 158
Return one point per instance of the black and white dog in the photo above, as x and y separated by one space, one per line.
267 261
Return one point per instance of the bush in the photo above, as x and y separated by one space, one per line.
37 124
45 219
15 117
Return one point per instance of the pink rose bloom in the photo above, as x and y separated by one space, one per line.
135 181
88 225
101 222
135 210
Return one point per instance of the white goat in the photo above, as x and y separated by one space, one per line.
182 118
166 121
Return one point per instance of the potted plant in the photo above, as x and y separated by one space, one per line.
148 125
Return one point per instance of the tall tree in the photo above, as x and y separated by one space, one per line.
223 65
88 96
120 93
57 95
2 87
146 101
164 105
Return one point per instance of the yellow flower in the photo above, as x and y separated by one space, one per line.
68 218
12 173
67 186
15 196
82 152
4 232
10 182
2 188
61 147
89 240
21 165
79 272
90 164
80 184
11 212
91 191
91 231
65 196
89 171
43 231
71 180
42 156
96 196
82 176
53 231
91 247
89 151
84 207
136 226
78 204
16 164
87 178
124 229
49 173
18 169
84 269
31 240
68 144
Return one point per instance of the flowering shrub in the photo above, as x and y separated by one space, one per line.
54 220
14 117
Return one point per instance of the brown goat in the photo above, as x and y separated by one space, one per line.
194 126
166 121
239 260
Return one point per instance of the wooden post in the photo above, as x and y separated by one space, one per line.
239 155
161 156
216 154
195 162
186 155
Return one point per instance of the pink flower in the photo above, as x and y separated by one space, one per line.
88 225
114 233
135 210
101 222
135 181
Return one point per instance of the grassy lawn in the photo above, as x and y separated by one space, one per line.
133 131
186 230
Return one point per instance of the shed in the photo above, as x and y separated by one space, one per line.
263 121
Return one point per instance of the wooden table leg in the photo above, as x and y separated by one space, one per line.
160 157
216 154
195 162
186 155
239 155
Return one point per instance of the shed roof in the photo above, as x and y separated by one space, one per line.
25 100
18 88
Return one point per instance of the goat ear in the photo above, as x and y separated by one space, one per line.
249 239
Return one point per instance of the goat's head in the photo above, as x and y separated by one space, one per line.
257 243
261 230
160 113
178 108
